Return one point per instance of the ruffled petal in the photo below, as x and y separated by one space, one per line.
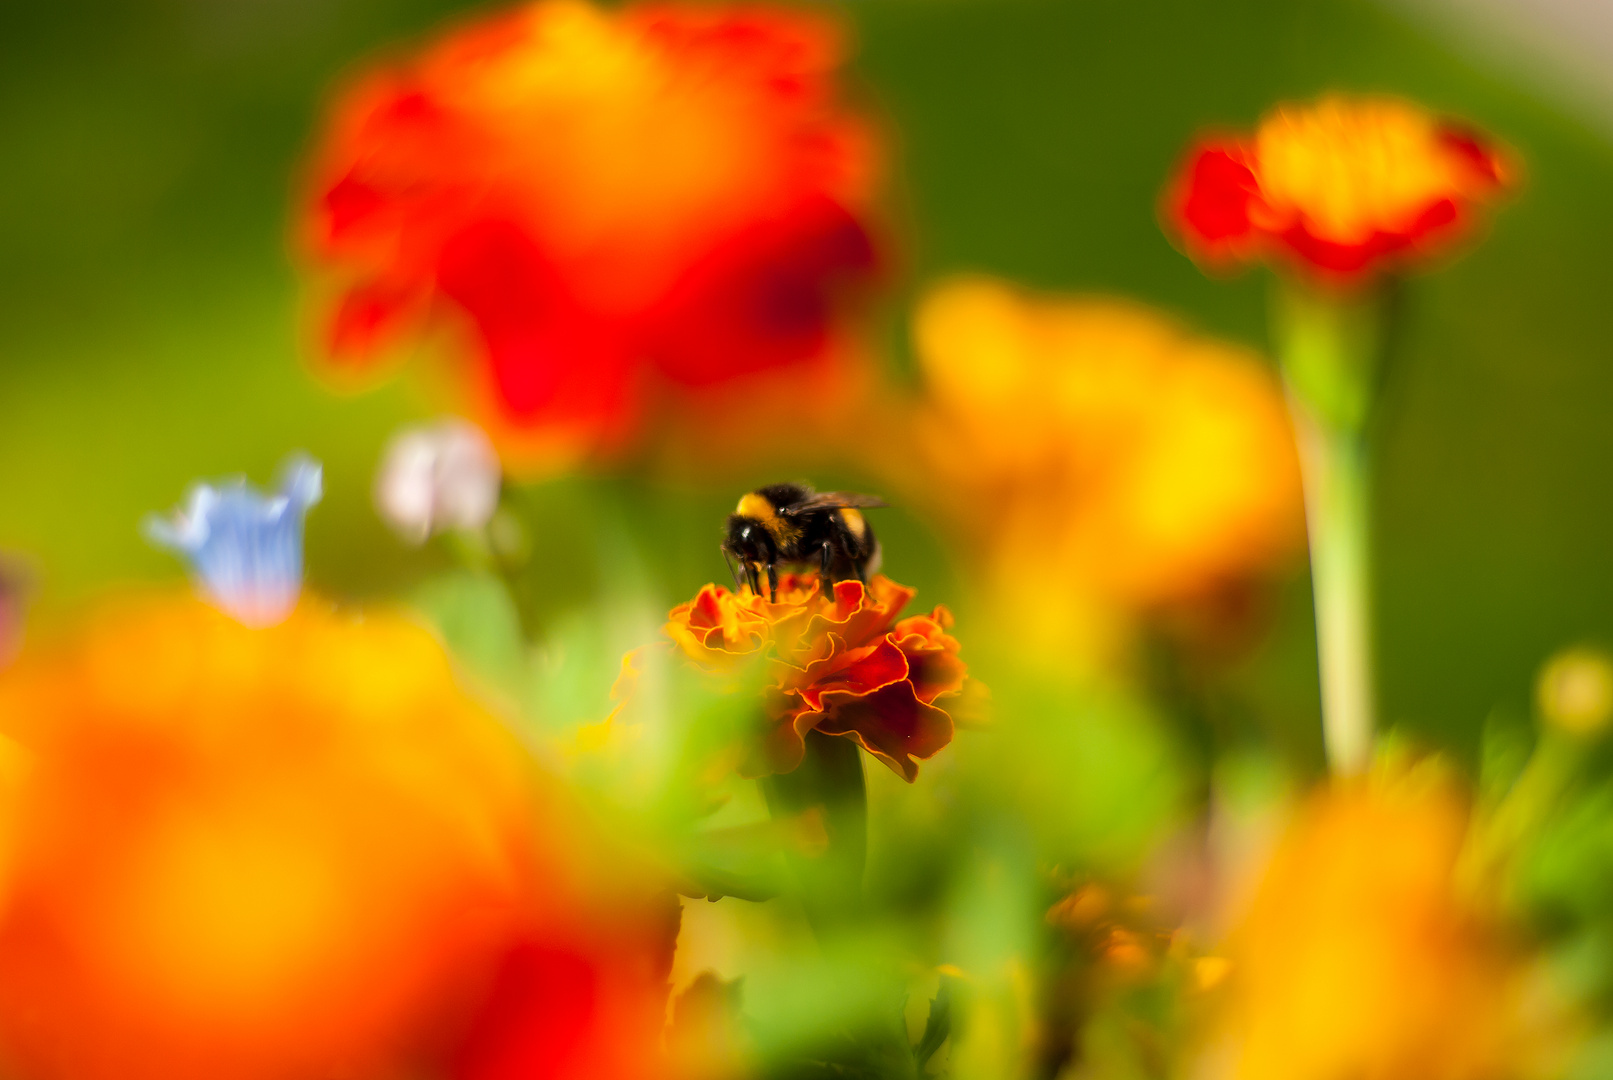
891 723
934 667
859 671
827 654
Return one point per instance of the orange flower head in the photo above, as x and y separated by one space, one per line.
299 850
1359 954
1095 455
1344 188
607 199
842 664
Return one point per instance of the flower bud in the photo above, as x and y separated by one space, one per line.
1575 690
438 477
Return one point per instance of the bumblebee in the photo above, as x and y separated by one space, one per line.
791 523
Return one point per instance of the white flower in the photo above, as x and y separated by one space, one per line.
244 547
438 477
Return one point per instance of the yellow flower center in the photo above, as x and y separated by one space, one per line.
1353 168
621 142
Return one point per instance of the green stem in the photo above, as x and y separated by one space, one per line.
1328 346
1334 465
830 781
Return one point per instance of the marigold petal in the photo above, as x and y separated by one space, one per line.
932 655
1486 165
706 611
825 653
368 317
891 723
858 672
716 628
1219 193
861 613
763 300
783 745
927 630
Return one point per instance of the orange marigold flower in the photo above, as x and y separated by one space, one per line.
607 197
1345 187
1359 954
1098 459
301 850
842 664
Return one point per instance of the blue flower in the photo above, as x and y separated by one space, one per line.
244 547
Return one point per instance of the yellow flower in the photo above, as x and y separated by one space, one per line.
1359 956
1100 457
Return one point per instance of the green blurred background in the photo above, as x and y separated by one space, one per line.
150 330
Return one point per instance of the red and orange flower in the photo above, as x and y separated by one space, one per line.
607 200
1343 188
842 664
299 850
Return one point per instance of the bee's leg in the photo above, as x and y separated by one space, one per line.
753 578
772 582
733 570
827 579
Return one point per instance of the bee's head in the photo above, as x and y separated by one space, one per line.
748 540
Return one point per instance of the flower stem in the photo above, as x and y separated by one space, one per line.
828 782
1334 466
1328 346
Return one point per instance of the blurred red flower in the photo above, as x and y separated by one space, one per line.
1343 188
840 664
583 1000
243 854
610 199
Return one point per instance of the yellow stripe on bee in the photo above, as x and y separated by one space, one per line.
759 509
855 522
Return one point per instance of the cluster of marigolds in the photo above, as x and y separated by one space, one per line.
246 837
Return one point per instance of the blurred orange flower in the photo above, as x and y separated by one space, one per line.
1358 954
243 853
841 664
1100 460
606 197
1345 187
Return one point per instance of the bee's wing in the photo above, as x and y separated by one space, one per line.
832 500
